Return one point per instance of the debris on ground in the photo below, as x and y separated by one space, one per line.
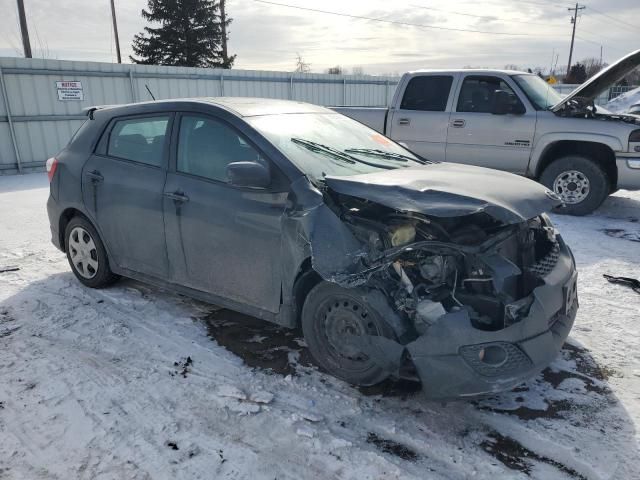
12 268
632 283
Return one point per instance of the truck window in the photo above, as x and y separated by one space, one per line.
428 93
476 94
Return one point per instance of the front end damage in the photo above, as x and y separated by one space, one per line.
478 304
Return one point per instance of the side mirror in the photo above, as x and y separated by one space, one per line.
248 174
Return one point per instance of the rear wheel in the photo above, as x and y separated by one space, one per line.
330 316
87 255
579 181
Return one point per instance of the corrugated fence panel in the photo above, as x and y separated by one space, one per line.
43 124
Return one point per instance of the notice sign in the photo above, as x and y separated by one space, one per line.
70 91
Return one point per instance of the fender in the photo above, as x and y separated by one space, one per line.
544 142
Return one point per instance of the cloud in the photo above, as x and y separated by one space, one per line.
269 37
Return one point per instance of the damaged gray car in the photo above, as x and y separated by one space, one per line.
393 265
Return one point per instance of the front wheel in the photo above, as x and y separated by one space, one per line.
579 181
330 316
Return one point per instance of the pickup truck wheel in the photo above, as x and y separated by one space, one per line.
330 315
579 181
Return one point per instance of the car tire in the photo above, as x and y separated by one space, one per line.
581 183
330 312
86 254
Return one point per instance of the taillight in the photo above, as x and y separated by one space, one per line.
52 164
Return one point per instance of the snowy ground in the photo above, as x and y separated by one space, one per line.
136 382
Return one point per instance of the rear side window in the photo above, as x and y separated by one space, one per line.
427 93
477 94
207 146
139 139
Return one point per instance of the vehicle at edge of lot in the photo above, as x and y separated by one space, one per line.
515 121
391 264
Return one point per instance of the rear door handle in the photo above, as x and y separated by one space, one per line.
458 123
95 176
404 121
178 197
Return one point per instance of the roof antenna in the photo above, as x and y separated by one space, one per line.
149 90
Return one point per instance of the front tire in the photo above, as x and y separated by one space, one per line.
330 313
87 255
581 183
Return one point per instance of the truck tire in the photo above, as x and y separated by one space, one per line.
87 255
579 181
329 313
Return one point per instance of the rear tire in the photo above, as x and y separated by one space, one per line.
87 255
329 313
581 183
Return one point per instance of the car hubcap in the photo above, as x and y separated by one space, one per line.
83 253
572 186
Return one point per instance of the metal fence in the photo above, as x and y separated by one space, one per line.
41 101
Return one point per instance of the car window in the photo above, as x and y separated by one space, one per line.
427 93
139 139
207 146
477 94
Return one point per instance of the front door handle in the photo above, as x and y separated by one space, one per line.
458 123
178 197
95 176
404 121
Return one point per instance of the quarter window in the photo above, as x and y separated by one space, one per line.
206 147
139 139
478 92
427 93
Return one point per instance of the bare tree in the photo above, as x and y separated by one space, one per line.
301 65
592 65
337 70
511 66
357 71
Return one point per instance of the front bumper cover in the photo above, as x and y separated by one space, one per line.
451 358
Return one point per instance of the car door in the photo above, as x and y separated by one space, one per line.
479 137
221 239
421 120
122 187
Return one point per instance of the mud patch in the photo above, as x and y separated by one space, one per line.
392 448
393 387
586 365
620 233
259 343
515 456
183 367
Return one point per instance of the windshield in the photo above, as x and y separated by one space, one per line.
329 144
540 93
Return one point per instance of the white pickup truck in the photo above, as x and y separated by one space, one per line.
514 121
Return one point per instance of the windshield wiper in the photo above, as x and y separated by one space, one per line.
373 152
334 153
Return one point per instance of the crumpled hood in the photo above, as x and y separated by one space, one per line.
450 190
602 80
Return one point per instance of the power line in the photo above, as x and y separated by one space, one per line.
397 22
486 17
634 27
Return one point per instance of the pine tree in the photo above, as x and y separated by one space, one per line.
189 35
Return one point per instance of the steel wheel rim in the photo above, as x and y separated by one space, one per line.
572 186
83 253
342 316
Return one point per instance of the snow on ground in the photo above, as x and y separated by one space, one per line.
622 103
136 382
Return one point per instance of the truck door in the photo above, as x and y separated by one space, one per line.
477 135
420 118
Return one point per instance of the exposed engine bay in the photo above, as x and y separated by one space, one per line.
428 267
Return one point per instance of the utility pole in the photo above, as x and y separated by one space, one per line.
26 45
574 20
115 31
223 24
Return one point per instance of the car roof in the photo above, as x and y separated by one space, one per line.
240 106
475 71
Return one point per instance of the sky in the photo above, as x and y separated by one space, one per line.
526 33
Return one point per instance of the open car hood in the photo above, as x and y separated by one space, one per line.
602 80
450 190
